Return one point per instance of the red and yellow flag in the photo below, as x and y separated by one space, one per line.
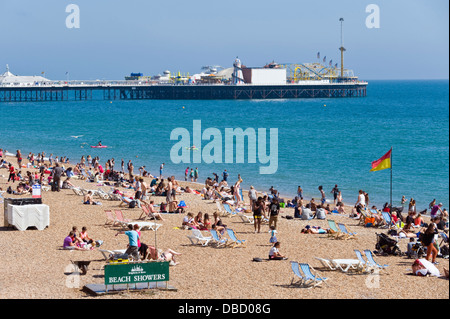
383 162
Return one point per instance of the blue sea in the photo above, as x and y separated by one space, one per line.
320 141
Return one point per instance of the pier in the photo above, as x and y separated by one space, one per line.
130 90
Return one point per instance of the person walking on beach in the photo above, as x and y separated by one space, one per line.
274 210
335 192
12 173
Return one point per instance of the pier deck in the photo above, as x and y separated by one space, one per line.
135 91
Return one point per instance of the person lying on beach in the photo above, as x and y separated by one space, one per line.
314 230
166 255
408 231
274 253
190 190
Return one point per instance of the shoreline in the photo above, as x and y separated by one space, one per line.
285 196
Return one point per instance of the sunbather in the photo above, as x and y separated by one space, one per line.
167 255
314 230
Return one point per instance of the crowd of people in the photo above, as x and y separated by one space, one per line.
263 206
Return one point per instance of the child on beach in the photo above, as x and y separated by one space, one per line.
274 253
273 237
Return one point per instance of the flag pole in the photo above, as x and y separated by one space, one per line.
391 181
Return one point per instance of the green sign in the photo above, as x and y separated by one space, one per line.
116 274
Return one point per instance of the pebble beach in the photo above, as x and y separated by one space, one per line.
36 267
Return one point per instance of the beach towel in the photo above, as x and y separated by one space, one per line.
182 204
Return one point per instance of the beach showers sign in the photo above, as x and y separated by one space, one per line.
132 273
234 138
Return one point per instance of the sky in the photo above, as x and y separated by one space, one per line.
116 38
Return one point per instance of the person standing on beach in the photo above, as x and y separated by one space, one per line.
196 174
435 209
12 173
130 170
300 192
122 165
252 196
335 192
161 170
322 193
361 203
19 158
225 175
133 237
57 173
186 173
258 208
191 174
274 210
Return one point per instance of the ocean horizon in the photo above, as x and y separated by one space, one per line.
320 141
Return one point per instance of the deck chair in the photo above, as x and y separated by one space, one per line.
125 200
197 238
347 234
388 220
298 279
108 254
145 225
327 263
102 194
246 218
310 278
77 191
230 212
335 231
219 242
146 213
222 212
364 214
120 218
110 218
371 261
234 241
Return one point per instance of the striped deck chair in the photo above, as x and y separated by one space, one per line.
335 232
347 234
311 278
